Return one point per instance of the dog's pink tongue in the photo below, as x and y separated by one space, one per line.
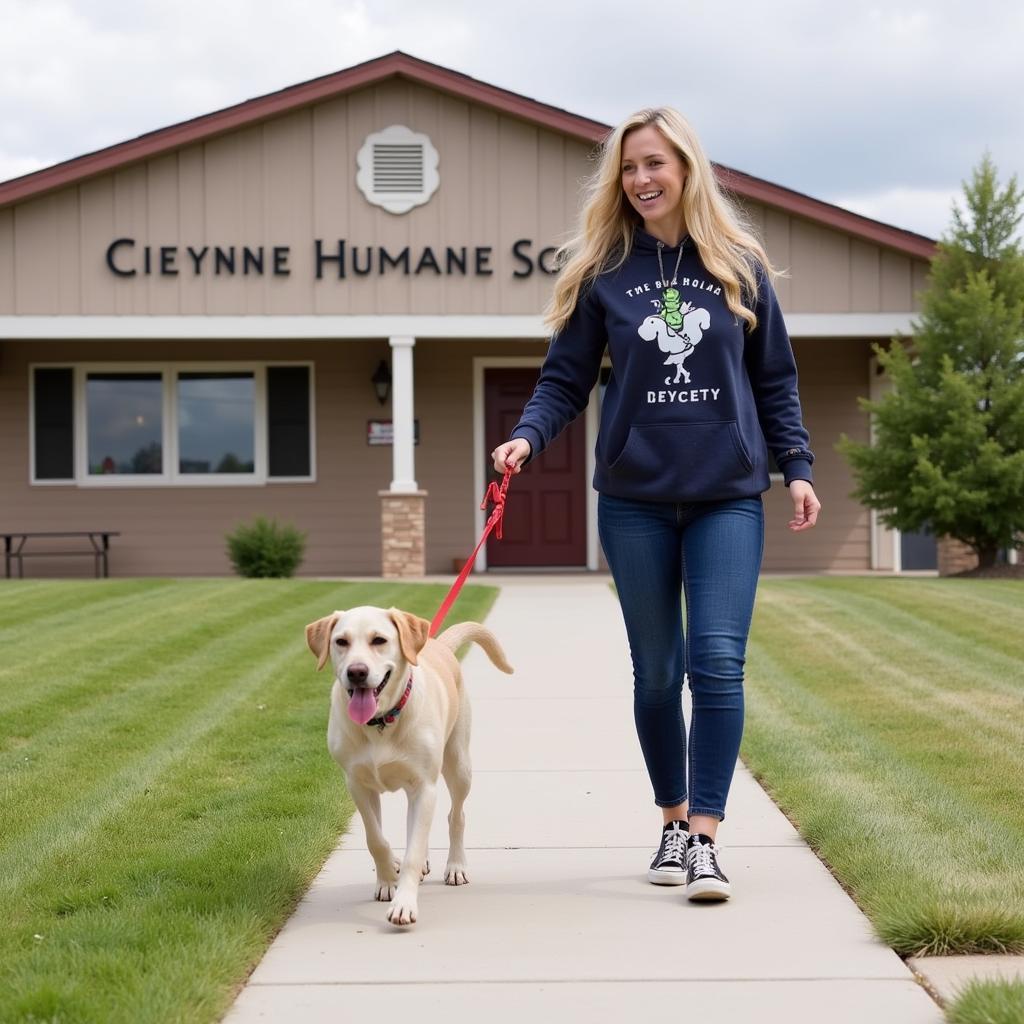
362 706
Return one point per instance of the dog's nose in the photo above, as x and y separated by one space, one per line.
357 673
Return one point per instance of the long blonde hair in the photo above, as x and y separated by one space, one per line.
725 242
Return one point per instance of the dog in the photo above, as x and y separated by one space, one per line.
399 718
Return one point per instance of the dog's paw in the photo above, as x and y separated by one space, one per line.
385 891
402 911
455 874
426 869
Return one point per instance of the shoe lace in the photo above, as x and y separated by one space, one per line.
673 846
701 858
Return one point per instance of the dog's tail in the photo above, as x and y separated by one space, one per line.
472 632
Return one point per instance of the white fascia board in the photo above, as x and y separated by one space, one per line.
849 325
146 328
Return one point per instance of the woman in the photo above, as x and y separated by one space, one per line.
664 275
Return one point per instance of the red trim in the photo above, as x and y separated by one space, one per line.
497 495
400 64
801 205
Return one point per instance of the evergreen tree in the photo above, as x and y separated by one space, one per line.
949 448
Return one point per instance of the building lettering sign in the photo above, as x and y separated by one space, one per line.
338 260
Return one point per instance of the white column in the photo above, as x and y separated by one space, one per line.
403 451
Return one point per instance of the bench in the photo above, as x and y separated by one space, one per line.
15 553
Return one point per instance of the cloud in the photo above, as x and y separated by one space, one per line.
917 210
863 101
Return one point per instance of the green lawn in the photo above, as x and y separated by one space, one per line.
166 795
886 718
988 1002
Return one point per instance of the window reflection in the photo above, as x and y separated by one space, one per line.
216 422
124 423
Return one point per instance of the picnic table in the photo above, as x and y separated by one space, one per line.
15 553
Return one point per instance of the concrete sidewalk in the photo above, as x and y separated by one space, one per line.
558 917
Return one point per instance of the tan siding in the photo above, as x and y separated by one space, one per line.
452 196
833 375
36 239
830 272
7 262
287 199
191 201
865 281
777 243
820 269
96 213
896 283
65 263
331 153
429 228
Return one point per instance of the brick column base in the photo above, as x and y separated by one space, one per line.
955 556
403 534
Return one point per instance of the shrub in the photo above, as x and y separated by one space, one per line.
265 548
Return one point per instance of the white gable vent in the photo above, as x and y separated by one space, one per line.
397 169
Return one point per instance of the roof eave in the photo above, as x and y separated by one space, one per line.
261 108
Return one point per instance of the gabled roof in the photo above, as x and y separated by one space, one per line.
402 65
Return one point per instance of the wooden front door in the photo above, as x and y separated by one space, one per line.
545 520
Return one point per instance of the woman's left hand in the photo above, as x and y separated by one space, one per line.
805 506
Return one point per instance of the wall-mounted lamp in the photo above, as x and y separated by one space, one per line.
381 380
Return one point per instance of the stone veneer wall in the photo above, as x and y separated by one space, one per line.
403 534
955 556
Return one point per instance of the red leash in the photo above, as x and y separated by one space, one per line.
497 495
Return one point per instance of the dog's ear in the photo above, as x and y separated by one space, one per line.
413 633
318 637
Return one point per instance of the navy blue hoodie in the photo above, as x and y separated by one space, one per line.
694 400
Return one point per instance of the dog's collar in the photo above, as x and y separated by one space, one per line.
383 720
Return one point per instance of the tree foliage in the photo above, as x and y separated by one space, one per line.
949 437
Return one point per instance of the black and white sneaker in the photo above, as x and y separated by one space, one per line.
669 864
704 878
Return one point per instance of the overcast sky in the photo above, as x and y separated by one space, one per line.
881 108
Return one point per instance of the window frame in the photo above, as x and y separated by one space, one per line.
171 475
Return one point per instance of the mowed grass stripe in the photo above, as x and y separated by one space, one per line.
110 739
145 701
921 825
25 614
906 675
941 630
197 874
910 880
72 810
75 667
158 910
55 654
23 605
929 793
937 747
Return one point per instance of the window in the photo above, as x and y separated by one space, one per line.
216 422
165 424
124 423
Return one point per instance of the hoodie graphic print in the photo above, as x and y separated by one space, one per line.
694 401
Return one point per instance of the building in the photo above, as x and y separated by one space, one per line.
323 305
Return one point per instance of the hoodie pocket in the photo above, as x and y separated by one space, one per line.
682 461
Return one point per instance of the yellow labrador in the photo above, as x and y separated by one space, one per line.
399 718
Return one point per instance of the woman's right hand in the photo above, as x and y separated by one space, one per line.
511 454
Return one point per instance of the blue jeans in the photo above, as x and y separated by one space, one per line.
711 551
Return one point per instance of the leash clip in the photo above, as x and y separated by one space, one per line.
496 494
